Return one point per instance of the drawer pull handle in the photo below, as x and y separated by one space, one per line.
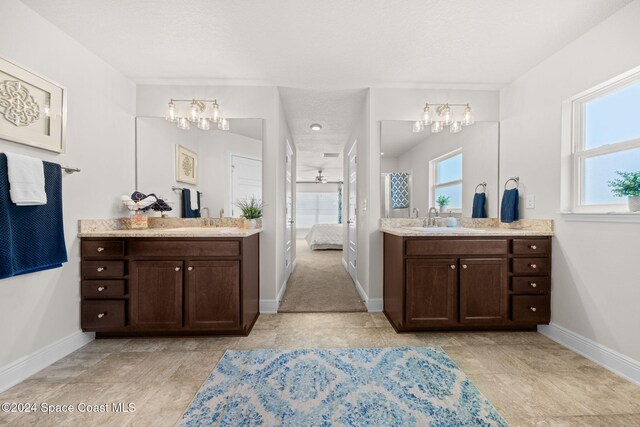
177 269
101 288
464 265
100 269
533 284
190 268
533 266
100 249
534 247
532 308
453 267
101 315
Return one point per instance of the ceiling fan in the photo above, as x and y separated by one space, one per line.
321 179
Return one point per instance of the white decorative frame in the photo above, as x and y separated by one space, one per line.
186 165
32 108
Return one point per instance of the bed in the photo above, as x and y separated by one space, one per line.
325 236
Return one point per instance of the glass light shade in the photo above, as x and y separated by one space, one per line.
223 124
418 127
203 124
215 112
171 112
455 127
194 112
426 115
46 110
468 117
183 123
447 115
436 127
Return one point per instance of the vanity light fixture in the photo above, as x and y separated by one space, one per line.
202 112
444 115
316 127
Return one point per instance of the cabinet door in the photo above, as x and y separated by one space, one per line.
156 294
483 290
431 295
213 294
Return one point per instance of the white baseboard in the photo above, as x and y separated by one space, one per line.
375 305
30 364
269 306
603 356
344 264
361 292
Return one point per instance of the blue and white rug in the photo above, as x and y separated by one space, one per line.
408 386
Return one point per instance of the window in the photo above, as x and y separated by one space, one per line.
605 139
446 176
317 208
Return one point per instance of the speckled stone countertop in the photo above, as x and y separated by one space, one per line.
468 227
176 232
167 227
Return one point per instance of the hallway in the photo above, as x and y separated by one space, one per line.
319 283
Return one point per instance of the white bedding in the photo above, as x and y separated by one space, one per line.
325 236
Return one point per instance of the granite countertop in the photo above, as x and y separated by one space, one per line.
465 232
175 232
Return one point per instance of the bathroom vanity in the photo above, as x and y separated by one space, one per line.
466 279
190 281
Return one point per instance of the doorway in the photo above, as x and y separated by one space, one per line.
246 181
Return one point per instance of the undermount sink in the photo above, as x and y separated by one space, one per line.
443 229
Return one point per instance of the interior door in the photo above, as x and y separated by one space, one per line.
432 298
352 226
246 181
289 237
156 294
483 290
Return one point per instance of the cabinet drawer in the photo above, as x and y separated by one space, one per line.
531 246
531 266
102 314
103 288
531 285
100 269
102 249
441 247
530 308
178 248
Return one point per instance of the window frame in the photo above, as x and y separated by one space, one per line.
578 154
433 176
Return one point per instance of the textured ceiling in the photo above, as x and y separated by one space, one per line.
337 113
327 44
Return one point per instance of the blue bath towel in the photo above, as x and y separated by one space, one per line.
510 209
187 212
479 202
31 237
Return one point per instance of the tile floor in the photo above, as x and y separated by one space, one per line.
531 380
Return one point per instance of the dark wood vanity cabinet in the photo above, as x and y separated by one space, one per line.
449 283
172 286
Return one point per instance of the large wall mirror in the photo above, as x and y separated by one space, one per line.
418 167
225 166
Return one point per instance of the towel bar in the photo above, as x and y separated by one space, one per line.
68 169
180 189
484 187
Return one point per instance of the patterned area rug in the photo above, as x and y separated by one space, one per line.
407 386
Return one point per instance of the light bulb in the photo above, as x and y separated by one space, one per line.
194 111
426 115
436 127
468 117
171 112
203 124
447 115
223 124
455 127
183 123
418 126
215 112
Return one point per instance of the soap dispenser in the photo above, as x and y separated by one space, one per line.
451 220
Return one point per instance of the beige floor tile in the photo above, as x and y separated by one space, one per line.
115 368
486 359
106 345
267 321
544 358
257 339
197 366
69 367
625 420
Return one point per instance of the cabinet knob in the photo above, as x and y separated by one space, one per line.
533 266
533 284
101 288
100 249
453 267
190 268
464 265
534 247
532 308
101 269
177 269
101 315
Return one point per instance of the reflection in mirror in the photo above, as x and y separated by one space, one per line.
227 166
418 169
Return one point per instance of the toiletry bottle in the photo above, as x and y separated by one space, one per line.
451 220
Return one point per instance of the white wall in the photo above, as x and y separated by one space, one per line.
284 136
595 265
39 309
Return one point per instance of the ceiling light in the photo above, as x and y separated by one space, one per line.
321 179
468 116
418 126
316 127
196 112
455 127
444 116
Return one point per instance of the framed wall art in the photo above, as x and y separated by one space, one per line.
186 165
32 108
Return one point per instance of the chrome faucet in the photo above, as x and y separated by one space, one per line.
417 212
432 220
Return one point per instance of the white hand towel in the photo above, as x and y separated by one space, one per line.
194 200
26 180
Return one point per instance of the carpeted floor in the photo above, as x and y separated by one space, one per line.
319 283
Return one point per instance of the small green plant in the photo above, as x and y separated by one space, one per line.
442 201
251 207
627 185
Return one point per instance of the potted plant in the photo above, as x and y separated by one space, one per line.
627 185
443 202
251 208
